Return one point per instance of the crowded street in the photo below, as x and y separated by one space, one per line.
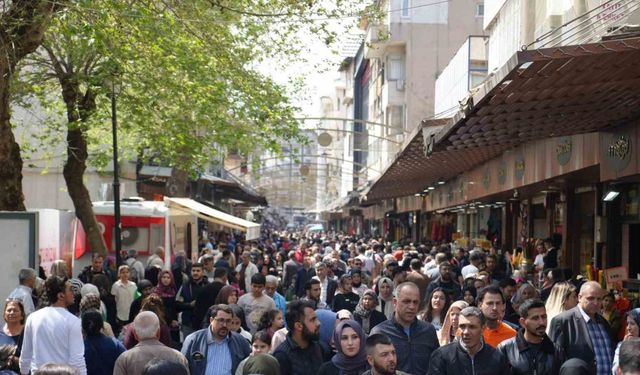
277 187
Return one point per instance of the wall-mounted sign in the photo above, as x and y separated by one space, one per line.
502 172
450 194
564 147
518 167
486 178
461 187
617 150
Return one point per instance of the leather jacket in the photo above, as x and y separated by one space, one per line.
518 352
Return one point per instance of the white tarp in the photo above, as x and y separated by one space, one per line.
214 216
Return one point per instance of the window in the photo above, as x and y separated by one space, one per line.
406 7
480 10
396 68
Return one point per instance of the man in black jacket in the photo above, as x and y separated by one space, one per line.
469 355
300 353
531 351
413 339
186 298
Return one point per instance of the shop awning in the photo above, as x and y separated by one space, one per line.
537 94
212 215
549 93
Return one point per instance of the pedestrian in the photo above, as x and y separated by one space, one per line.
357 283
612 315
263 364
381 356
300 353
304 274
384 288
136 269
186 298
351 357
345 298
270 289
446 282
228 295
328 286
238 322
246 270
159 366
491 302
629 358
87 274
208 294
100 351
256 303
271 321
633 333
92 302
447 334
289 270
124 292
438 303
145 288
24 290
531 351
583 332
469 355
156 259
215 349
13 331
166 290
147 332
469 294
52 334
260 344
152 303
413 339
563 297
366 314
312 293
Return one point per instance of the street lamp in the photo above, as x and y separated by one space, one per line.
114 86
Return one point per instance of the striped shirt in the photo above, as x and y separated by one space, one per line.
219 356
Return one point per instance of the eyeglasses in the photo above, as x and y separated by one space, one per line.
223 321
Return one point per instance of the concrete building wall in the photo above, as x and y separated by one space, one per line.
423 36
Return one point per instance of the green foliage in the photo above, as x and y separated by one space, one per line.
187 72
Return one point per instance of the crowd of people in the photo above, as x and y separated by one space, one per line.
318 304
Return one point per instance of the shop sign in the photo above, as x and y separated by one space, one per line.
486 178
450 194
564 147
615 276
502 172
461 189
519 167
618 151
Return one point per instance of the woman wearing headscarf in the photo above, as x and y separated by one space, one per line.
633 332
450 325
351 358
91 301
166 289
263 364
366 313
384 287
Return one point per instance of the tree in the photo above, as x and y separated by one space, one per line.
188 81
22 26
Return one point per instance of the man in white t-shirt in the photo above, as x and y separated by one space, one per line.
52 334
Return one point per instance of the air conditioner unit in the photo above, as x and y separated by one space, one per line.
400 84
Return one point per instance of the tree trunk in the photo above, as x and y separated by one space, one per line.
76 164
21 31
11 197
